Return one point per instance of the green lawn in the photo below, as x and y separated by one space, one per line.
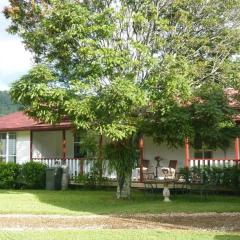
104 202
118 235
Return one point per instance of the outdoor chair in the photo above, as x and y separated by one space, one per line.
148 171
170 171
149 179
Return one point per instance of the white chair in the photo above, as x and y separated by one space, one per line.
170 171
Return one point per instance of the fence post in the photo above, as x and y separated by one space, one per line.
141 148
187 158
237 149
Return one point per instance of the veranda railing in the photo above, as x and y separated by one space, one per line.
210 162
76 166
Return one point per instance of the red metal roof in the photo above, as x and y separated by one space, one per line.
19 121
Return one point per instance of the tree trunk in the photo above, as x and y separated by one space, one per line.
124 186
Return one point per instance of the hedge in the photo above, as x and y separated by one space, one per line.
9 173
30 175
219 176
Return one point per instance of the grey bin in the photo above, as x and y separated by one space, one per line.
54 178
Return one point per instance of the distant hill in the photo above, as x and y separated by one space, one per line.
6 105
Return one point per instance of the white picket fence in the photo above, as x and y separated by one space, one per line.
212 162
75 164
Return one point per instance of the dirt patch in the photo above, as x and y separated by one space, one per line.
209 221
206 221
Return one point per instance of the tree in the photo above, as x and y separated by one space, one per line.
6 105
128 67
199 50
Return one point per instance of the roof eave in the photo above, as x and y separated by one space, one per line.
39 128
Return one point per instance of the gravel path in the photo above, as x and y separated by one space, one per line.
207 221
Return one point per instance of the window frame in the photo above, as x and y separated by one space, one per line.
6 156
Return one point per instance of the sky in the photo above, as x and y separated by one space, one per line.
14 59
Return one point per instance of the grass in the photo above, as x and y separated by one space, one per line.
118 235
104 202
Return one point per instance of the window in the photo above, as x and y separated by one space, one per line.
78 153
8 147
3 146
12 147
203 154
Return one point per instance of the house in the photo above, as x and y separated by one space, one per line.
23 139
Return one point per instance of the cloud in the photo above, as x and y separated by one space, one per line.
4 3
13 56
8 79
14 59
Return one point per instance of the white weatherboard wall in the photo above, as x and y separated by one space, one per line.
70 143
152 149
22 146
48 144
229 153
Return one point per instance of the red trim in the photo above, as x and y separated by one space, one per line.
237 148
64 144
141 148
187 155
37 128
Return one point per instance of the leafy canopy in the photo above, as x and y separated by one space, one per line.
123 66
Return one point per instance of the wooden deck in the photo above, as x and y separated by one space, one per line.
141 185
181 187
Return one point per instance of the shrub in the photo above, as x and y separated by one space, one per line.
8 174
92 179
185 174
81 178
221 176
32 175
